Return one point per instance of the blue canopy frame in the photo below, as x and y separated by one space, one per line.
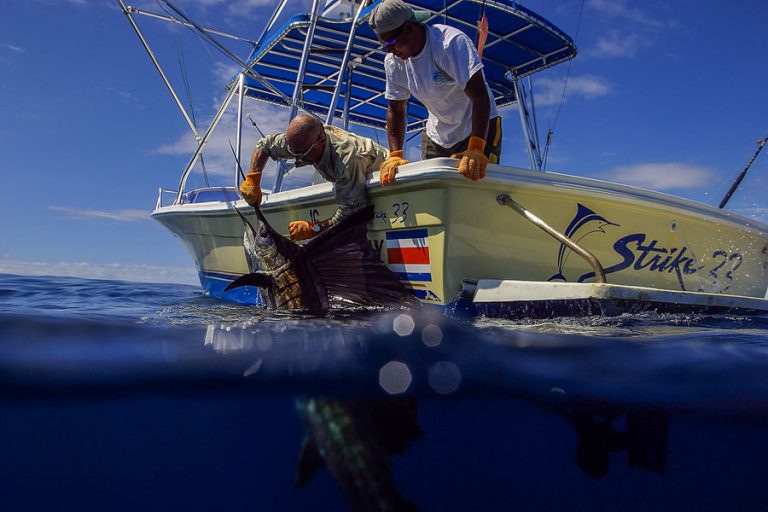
519 44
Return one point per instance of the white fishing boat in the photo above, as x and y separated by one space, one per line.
520 242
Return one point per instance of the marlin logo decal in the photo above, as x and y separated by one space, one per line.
583 224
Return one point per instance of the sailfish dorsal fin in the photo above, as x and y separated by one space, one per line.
350 270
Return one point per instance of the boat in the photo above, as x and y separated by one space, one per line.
521 242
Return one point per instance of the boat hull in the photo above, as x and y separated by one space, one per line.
436 229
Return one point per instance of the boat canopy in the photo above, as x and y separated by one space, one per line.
519 43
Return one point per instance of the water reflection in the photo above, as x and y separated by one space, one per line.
370 371
354 439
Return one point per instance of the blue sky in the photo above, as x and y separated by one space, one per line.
665 95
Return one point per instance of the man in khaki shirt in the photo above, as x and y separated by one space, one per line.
343 158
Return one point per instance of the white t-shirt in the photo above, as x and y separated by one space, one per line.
437 77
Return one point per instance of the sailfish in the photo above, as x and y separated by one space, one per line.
584 217
338 266
353 438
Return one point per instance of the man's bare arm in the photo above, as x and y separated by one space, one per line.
396 123
481 104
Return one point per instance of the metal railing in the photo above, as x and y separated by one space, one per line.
160 193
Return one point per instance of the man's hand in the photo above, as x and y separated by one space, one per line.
388 167
250 189
473 161
300 230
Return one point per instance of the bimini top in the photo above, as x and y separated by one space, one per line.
519 43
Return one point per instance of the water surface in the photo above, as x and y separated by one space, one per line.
127 396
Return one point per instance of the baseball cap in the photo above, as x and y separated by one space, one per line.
390 14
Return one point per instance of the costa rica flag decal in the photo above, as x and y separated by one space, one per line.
408 254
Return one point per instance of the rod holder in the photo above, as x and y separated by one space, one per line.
506 200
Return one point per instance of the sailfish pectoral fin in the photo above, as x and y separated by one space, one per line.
259 279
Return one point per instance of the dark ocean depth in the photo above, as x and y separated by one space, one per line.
132 396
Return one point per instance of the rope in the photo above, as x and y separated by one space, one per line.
187 90
551 130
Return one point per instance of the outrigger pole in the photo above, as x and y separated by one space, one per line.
760 145
528 122
238 87
127 11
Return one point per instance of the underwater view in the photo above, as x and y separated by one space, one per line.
131 396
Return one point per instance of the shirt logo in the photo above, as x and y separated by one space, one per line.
441 77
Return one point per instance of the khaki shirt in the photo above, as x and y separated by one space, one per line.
346 162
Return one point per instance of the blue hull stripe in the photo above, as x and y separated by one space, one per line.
405 234
411 276
214 283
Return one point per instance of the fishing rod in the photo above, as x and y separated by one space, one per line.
246 222
255 126
237 160
760 145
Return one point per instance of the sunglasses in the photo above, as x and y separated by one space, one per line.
393 41
300 155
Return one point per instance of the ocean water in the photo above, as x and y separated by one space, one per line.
131 396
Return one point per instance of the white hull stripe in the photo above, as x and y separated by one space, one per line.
410 269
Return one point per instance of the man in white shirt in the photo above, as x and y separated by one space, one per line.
440 66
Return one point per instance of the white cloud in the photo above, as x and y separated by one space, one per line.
224 72
70 2
16 49
238 9
662 176
131 99
588 86
621 9
246 8
619 44
117 271
118 215
548 91
756 212
217 152
628 29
